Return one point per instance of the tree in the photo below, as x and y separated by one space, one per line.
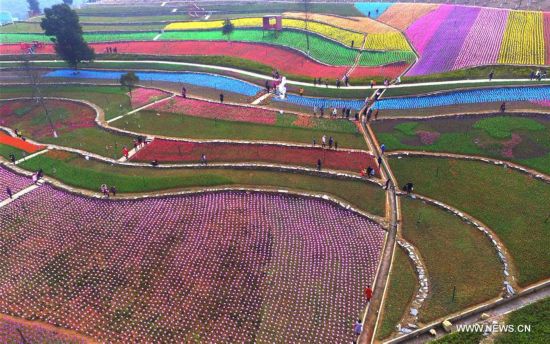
307 6
129 80
228 28
62 23
68 2
34 7
35 79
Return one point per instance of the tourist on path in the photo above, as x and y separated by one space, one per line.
369 171
338 83
409 187
335 145
221 97
204 161
379 160
330 142
383 148
334 112
12 158
301 91
113 190
318 164
324 141
368 293
125 152
314 142
358 327
491 75
503 107
183 92
387 185
104 190
8 191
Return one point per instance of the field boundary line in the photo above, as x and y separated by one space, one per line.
28 157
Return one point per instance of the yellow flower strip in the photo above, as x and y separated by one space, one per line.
387 41
358 24
523 41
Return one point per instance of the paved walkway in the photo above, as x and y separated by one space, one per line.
21 193
293 82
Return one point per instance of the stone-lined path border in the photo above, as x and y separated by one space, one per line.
410 319
532 173
515 112
504 256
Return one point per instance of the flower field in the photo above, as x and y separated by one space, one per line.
199 79
16 142
546 22
33 333
482 44
29 117
13 181
440 53
206 109
487 95
181 151
523 41
327 103
358 24
421 31
182 269
144 96
402 15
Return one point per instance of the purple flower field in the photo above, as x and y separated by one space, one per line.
482 45
214 267
14 181
422 30
441 52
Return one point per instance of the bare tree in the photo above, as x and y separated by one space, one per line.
307 8
34 77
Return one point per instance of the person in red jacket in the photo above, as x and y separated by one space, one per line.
368 293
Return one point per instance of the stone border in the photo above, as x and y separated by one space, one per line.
411 318
535 174
500 248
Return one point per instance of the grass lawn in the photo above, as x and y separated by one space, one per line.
456 255
536 315
520 139
204 128
406 91
74 170
6 150
402 286
512 204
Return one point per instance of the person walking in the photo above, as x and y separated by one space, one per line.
491 75
334 112
314 110
8 191
368 293
314 142
324 141
330 142
183 92
113 190
221 97
204 161
12 158
318 164
125 152
358 327
338 83
503 107
301 91
382 148
335 145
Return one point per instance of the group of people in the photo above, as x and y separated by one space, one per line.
538 75
358 326
331 142
107 190
111 50
344 113
339 82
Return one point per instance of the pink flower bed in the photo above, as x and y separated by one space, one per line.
421 31
180 151
13 181
428 137
206 109
144 96
482 45
11 330
174 269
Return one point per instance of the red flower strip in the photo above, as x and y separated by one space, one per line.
16 142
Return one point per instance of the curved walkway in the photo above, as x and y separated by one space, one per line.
293 82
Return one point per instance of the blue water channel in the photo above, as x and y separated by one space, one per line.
198 79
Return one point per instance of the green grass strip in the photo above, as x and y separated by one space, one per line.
456 255
74 170
512 204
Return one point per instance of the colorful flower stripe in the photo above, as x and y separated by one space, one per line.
482 45
358 24
326 103
321 49
387 41
144 96
372 9
13 181
218 82
340 35
178 151
402 15
523 41
440 53
16 142
546 18
285 60
205 109
29 117
421 31
205 266
489 95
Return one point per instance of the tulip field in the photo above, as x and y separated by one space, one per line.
14 181
220 267
182 151
144 96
